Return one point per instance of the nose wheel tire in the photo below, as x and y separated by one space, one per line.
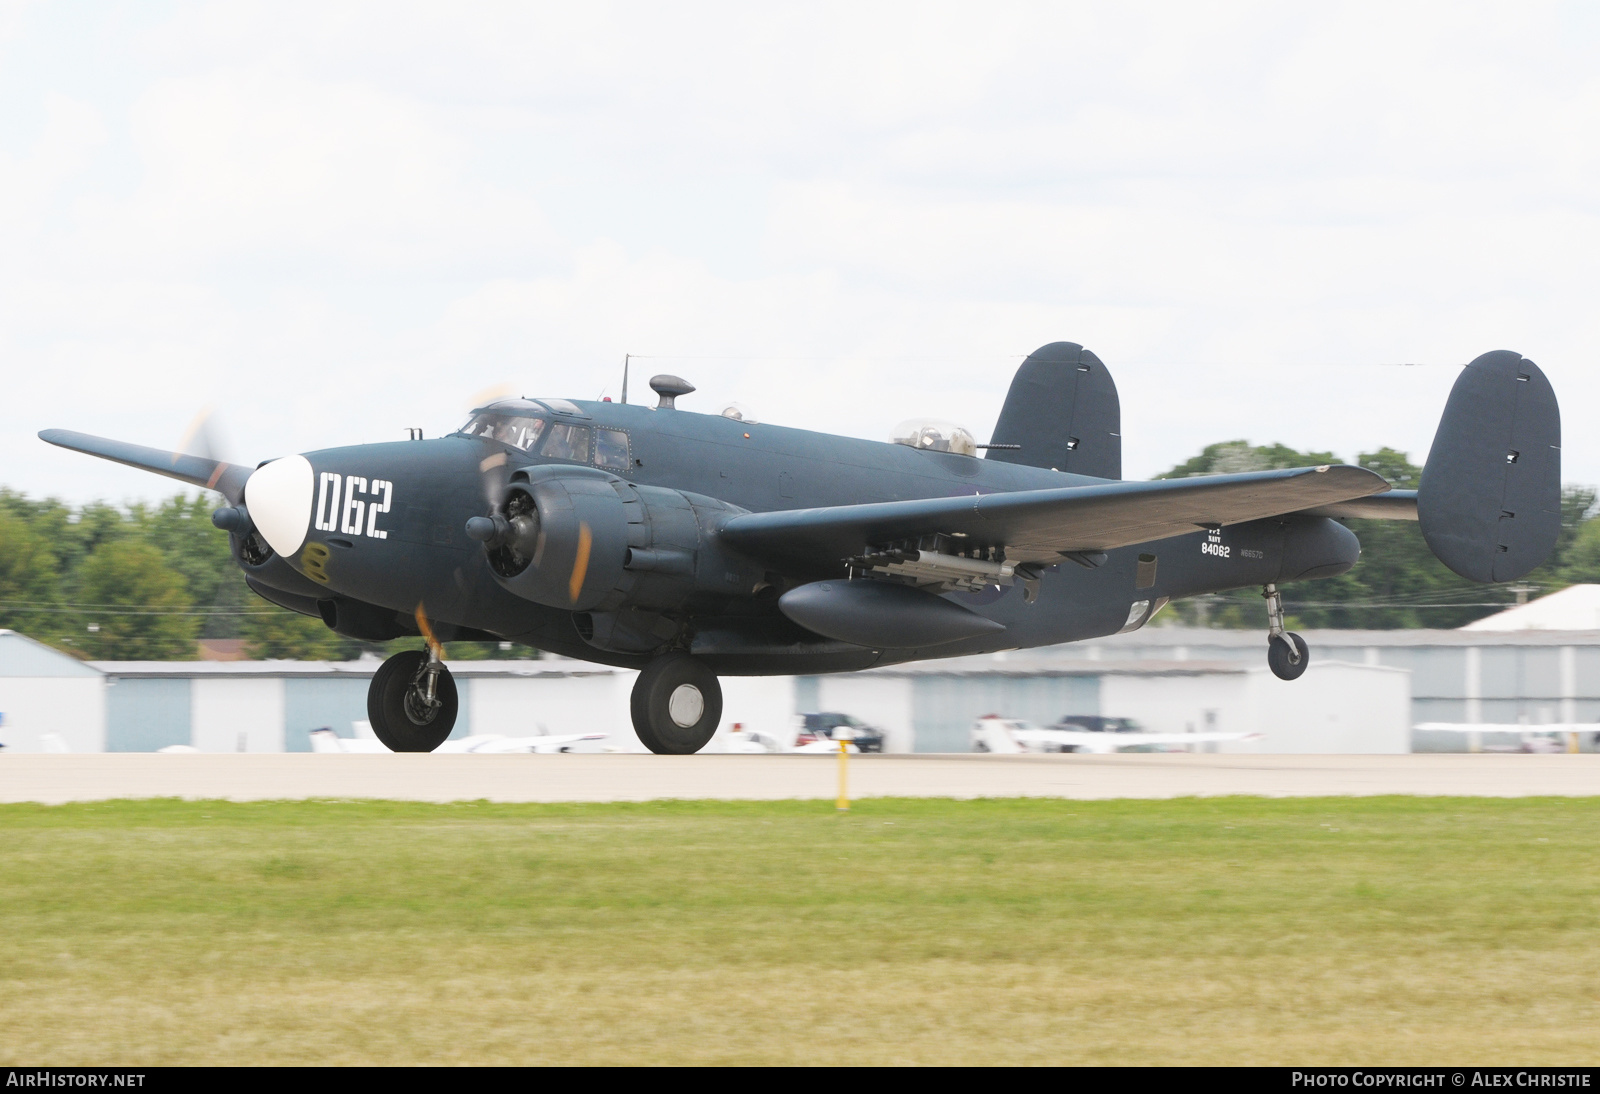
676 706
1287 655
398 709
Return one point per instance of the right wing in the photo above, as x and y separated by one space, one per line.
1042 525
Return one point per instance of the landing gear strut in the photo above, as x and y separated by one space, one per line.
676 706
1287 654
412 701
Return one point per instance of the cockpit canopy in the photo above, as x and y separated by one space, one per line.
522 423
932 435
543 428
516 430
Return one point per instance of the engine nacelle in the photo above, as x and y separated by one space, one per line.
631 557
263 567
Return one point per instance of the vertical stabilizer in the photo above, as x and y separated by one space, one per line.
1490 498
1064 413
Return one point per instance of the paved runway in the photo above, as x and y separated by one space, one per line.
620 777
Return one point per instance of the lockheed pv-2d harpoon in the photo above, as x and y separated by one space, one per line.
689 545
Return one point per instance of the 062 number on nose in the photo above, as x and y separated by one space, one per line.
357 515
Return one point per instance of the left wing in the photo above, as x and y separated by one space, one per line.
1042 525
226 478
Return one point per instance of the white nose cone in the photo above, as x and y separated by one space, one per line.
278 496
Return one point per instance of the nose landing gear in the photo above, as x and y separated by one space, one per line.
1287 653
676 706
412 701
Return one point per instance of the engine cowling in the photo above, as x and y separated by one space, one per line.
634 559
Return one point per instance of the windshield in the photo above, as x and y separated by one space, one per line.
516 430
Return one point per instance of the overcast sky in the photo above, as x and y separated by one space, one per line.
335 221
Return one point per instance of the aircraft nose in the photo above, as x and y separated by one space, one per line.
278 495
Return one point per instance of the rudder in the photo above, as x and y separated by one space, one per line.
1064 412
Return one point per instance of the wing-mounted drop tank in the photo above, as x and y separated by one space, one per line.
880 613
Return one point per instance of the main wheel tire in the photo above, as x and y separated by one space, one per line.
676 705
399 717
1288 656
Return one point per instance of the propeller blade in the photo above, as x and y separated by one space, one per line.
204 437
434 644
492 477
580 563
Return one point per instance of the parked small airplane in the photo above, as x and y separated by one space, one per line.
1548 737
327 741
687 545
1011 736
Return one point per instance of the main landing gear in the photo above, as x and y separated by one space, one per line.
412 702
676 706
1287 654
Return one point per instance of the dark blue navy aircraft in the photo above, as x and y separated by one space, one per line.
689 545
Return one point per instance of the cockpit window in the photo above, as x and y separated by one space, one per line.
517 431
567 442
562 406
611 449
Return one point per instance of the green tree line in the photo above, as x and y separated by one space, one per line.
148 582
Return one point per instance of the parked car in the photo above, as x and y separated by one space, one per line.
1095 723
815 727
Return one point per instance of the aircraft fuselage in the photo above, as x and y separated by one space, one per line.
386 540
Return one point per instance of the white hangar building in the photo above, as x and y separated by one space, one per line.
1363 693
930 706
49 702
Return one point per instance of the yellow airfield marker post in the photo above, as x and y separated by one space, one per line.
843 735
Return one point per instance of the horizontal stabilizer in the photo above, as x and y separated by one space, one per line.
225 478
1490 498
1041 525
1395 505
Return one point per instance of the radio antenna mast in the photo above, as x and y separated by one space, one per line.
625 357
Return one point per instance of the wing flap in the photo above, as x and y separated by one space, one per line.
1041 525
225 478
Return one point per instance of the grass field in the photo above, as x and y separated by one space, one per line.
1364 930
